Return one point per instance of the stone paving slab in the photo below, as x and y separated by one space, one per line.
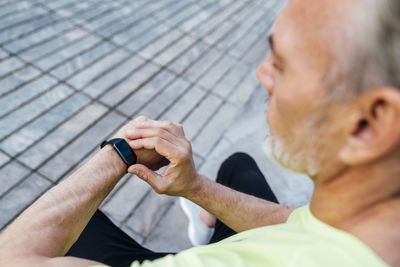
3 158
162 238
73 72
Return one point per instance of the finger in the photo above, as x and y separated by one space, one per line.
152 178
175 129
153 132
167 149
131 124
141 118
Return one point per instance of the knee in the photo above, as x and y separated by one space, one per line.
231 165
238 158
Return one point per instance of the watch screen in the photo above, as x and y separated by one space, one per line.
126 153
124 148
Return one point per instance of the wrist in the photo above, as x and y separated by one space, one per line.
139 152
110 159
197 186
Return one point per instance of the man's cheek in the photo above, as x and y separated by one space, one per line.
282 113
271 117
289 106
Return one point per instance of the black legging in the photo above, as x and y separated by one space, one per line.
240 172
104 242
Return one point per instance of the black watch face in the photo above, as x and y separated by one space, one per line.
125 151
124 148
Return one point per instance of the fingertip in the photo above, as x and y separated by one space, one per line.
132 170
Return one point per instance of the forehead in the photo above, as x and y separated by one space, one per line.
317 15
313 27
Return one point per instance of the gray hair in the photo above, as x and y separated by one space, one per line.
388 42
371 47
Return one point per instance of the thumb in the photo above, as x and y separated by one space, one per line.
147 175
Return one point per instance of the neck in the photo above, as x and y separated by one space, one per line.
365 202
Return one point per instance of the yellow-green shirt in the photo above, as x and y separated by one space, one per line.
302 241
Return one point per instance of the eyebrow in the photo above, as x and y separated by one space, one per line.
271 42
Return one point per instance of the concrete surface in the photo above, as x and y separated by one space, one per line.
73 72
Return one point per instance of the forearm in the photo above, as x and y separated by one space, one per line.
50 226
237 210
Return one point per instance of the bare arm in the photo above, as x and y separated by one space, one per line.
50 226
45 231
237 210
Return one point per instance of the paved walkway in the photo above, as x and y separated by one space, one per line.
73 72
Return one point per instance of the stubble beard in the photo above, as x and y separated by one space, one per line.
299 157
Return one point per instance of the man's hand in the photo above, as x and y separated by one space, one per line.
167 139
237 210
148 157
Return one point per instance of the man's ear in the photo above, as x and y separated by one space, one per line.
373 128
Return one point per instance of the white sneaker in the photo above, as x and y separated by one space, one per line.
199 233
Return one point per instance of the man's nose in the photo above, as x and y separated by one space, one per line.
265 75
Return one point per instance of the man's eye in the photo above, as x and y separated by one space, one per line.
276 66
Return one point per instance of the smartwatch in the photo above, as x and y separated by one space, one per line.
123 149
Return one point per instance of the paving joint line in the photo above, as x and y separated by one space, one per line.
213 46
210 30
23 21
106 39
164 213
157 73
61 19
60 81
193 83
109 198
133 23
81 91
182 94
26 64
223 103
13 12
30 203
60 149
121 124
29 100
226 129
40 114
116 47
65 82
209 118
84 156
162 89
25 177
132 211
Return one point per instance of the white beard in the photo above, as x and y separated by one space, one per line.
295 159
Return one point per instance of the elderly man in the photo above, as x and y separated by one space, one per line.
334 113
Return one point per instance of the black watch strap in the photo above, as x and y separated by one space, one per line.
123 149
